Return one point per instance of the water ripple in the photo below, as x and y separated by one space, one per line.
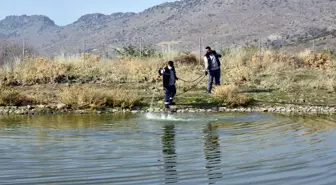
233 149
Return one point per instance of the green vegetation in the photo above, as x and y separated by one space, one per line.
134 52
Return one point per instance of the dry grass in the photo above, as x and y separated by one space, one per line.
225 91
39 70
239 66
43 70
187 59
60 69
88 97
122 98
278 70
10 96
229 95
82 97
325 81
315 60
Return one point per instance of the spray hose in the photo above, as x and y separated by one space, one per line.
199 80
192 81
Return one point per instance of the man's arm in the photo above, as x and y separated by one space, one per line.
160 71
176 78
206 63
218 55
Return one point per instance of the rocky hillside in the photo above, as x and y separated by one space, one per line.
217 22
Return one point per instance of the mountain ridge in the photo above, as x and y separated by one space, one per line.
218 22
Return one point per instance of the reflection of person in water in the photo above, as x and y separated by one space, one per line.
212 153
168 150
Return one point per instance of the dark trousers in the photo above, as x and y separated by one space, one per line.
170 92
213 74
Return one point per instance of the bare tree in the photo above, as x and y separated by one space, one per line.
9 51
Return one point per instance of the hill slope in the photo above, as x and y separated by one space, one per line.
227 22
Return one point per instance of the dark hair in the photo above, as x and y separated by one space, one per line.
208 47
170 63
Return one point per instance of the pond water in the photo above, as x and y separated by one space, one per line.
229 149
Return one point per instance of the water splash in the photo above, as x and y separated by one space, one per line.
166 117
175 117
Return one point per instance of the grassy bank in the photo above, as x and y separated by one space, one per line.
272 78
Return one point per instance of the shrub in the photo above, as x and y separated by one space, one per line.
229 95
134 52
315 60
89 97
187 58
82 97
39 70
225 91
89 58
11 97
122 98
330 52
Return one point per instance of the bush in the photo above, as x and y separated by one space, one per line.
135 52
122 98
229 95
187 58
315 60
39 70
89 58
330 52
225 91
10 97
82 97
89 97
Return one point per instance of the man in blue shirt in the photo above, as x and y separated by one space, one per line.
169 80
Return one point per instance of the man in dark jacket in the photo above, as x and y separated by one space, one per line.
169 80
212 66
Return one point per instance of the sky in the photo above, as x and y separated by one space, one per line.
64 12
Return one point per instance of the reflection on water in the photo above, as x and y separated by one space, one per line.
169 153
235 149
212 153
63 121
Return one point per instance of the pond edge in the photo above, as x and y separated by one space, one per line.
61 109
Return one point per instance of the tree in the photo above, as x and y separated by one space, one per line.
134 51
9 51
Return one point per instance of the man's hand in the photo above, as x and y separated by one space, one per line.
159 71
206 73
